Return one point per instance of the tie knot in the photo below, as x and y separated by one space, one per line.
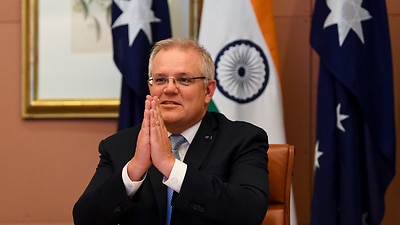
176 141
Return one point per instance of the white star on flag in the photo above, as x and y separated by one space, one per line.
137 14
317 155
340 118
347 14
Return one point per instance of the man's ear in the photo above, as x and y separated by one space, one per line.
210 89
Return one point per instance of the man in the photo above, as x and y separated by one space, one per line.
221 176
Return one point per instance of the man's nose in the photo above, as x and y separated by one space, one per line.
171 85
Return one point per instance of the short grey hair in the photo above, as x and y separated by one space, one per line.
207 68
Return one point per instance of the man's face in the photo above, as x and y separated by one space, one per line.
181 106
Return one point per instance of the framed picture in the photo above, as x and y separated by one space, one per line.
68 68
67 60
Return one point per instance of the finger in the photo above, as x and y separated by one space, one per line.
149 98
159 122
146 114
157 112
158 131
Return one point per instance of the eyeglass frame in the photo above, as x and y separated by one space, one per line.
176 81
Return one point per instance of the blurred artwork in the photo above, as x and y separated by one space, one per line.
90 26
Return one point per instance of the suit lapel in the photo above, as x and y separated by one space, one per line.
202 142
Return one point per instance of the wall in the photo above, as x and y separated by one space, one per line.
46 164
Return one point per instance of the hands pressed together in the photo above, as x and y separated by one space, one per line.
153 145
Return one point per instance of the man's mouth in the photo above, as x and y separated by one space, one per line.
169 103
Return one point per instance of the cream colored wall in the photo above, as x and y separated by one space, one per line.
45 164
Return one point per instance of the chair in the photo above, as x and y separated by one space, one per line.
280 167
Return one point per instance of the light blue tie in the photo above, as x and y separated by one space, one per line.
176 141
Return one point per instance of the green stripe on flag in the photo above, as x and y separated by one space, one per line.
212 107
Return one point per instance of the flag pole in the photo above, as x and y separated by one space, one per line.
195 16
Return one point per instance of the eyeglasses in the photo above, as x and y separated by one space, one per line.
184 81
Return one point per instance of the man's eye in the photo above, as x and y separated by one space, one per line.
185 80
161 80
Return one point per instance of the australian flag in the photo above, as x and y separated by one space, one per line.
136 26
355 146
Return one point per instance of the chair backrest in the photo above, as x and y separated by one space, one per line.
280 167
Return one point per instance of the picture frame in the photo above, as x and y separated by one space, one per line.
58 65
38 102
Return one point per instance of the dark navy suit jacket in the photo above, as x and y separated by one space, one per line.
226 180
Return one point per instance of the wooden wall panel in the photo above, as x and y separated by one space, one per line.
292 20
291 8
392 215
294 53
393 8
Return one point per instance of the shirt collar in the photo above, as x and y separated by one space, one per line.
190 133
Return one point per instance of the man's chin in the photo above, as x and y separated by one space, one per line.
170 117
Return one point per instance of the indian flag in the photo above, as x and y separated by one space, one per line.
240 35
